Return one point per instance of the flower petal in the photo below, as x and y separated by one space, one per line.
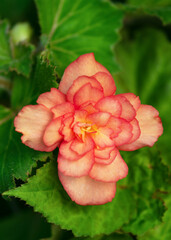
103 153
128 112
67 131
115 124
51 134
66 151
110 105
62 109
133 99
135 130
89 108
106 82
87 93
100 118
52 98
150 127
125 135
85 65
77 168
102 137
80 82
82 147
108 160
111 172
86 191
32 121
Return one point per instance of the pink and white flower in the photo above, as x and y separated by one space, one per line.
89 124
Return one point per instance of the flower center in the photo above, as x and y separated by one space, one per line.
88 127
81 129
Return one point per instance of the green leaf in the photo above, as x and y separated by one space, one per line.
159 8
71 28
147 175
5 82
45 193
147 73
114 236
58 234
25 225
135 205
164 230
26 91
17 160
14 58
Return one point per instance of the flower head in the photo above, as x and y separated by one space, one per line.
89 124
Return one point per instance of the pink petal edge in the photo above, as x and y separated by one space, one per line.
86 191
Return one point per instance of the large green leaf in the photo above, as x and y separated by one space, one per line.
26 91
71 28
162 231
159 8
133 199
114 236
146 71
17 160
46 194
25 225
14 58
147 175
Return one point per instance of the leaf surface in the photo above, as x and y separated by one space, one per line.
72 28
17 160
133 198
46 194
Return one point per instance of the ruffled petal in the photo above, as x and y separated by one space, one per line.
89 108
111 172
86 191
77 168
135 130
80 82
106 82
102 137
62 109
51 134
125 135
85 65
128 112
100 119
52 98
133 99
66 151
87 93
108 160
32 121
67 131
116 125
82 147
150 127
110 105
103 153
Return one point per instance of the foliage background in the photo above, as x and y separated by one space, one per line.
133 40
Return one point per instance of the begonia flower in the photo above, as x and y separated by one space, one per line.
89 124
